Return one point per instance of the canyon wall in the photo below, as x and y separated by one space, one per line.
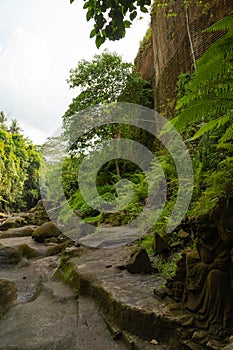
176 36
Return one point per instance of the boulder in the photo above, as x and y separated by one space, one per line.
14 255
39 214
139 262
8 293
26 251
45 231
9 256
12 222
161 246
24 231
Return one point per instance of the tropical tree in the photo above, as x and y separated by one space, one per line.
14 127
100 81
3 120
19 166
103 80
106 79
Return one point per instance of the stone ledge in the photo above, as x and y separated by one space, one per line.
125 298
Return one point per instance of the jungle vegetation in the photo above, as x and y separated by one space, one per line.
19 168
203 116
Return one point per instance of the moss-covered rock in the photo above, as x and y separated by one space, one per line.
26 251
40 215
9 256
12 222
45 231
24 231
7 295
13 255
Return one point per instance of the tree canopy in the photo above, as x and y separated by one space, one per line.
104 79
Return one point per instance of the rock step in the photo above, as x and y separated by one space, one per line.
125 298
132 341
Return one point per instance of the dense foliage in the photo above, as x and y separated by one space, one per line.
19 167
205 115
103 80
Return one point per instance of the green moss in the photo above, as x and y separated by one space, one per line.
67 275
148 242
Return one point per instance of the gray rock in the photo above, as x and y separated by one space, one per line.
139 262
11 222
13 255
45 231
7 295
161 246
9 256
18 232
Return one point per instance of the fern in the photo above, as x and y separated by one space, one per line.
205 115
225 23
209 97
215 123
227 136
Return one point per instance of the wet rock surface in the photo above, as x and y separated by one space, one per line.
7 295
39 312
129 301
46 314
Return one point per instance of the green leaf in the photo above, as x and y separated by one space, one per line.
99 41
90 14
133 15
143 9
211 125
127 24
93 33
86 5
224 24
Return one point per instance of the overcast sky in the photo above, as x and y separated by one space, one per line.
40 41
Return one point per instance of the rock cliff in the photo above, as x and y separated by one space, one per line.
174 41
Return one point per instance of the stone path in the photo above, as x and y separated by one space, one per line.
46 315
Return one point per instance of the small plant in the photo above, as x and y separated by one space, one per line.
168 267
148 242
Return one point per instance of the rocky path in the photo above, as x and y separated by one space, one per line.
46 314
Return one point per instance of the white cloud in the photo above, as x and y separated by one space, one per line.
26 61
38 136
29 84
40 41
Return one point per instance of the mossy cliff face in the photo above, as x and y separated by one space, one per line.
166 53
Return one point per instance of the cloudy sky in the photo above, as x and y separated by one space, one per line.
40 41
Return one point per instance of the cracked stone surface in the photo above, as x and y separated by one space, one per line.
46 314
